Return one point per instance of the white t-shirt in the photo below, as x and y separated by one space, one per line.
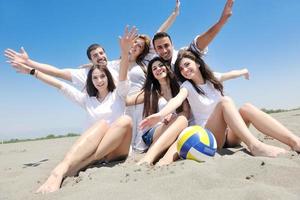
202 105
79 76
111 108
137 79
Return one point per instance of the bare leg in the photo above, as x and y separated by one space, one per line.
232 139
115 143
167 138
269 126
170 156
85 146
225 114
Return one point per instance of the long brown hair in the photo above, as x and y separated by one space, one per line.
152 88
205 71
91 89
141 57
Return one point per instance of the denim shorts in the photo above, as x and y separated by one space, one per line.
148 136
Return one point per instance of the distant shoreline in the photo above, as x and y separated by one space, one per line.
52 136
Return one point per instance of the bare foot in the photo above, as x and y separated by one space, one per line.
55 179
266 150
51 185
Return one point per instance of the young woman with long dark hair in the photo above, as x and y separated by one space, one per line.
160 86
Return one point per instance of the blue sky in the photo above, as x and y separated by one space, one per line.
262 35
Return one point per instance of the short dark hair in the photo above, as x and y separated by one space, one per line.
91 48
159 35
91 89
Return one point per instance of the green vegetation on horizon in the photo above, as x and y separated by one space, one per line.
269 111
51 136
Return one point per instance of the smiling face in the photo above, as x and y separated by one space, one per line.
99 80
163 47
189 69
137 48
159 70
98 57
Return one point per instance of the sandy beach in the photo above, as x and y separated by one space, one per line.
231 174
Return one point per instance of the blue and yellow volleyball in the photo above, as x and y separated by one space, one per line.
194 142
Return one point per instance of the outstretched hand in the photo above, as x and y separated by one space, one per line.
227 12
246 74
14 56
177 7
149 121
20 67
127 39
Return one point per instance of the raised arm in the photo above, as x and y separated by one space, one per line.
172 105
70 92
204 39
235 74
125 43
171 19
24 69
23 58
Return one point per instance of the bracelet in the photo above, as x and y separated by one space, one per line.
32 72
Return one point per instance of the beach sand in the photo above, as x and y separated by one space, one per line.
231 174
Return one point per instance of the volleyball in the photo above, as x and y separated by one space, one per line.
195 142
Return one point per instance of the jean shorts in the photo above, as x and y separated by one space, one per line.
148 136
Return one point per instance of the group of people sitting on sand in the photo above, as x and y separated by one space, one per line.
142 102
